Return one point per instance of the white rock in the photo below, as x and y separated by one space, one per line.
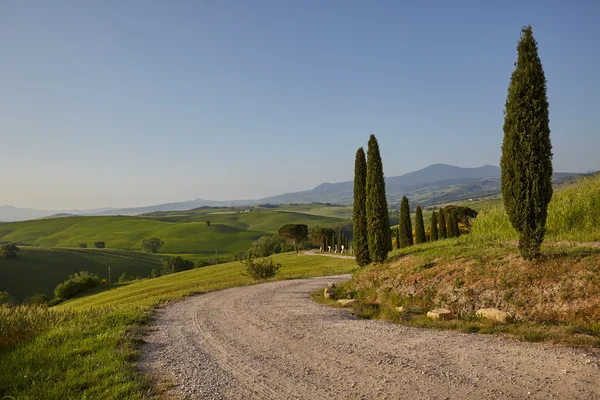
493 314
347 302
439 313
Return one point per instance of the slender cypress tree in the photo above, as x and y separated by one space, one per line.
450 225
360 245
339 239
324 243
419 226
526 162
378 222
442 233
434 229
456 227
405 224
398 237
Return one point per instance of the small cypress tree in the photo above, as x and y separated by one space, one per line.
434 229
378 222
339 239
442 233
324 243
405 224
450 225
398 237
360 244
419 226
526 162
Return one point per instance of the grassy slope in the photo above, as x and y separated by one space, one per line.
559 293
88 354
39 270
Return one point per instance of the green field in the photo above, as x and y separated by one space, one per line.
40 270
85 347
56 255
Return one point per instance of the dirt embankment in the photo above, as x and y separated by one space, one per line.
271 341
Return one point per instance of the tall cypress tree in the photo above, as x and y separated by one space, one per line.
360 244
434 229
419 226
442 233
450 225
378 222
405 224
339 239
456 227
526 162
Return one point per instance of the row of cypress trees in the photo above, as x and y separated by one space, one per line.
338 238
404 233
371 225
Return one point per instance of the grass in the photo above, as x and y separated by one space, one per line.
85 347
39 270
573 215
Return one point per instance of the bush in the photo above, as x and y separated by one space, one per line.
76 284
125 278
99 245
38 299
260 269
267 246
82 246
175 264
8 251
6 299
155 273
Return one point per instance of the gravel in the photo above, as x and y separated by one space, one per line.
271 341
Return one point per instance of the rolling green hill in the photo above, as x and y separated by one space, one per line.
40 270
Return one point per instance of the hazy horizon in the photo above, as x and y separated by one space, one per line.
131 104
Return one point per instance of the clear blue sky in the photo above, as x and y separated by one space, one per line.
129 103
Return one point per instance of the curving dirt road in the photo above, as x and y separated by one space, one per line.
271 341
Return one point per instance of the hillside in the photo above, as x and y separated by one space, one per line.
40 270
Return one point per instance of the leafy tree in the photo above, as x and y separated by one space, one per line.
434 228
38 299
442 233
378 223
175 264
151 245
463 214
99 245
82 246
406 236
526 162
9 251
294 233
419 226
207 223
267 246
359 213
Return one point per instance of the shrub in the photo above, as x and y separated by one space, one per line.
175 264
8 251
99 245
82 246
155 273
125 278
76 284
6 299
38 299
267 246
261 269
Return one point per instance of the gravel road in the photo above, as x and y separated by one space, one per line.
271 341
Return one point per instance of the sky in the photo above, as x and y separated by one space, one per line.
133 103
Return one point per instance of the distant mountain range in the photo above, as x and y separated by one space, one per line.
435 184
